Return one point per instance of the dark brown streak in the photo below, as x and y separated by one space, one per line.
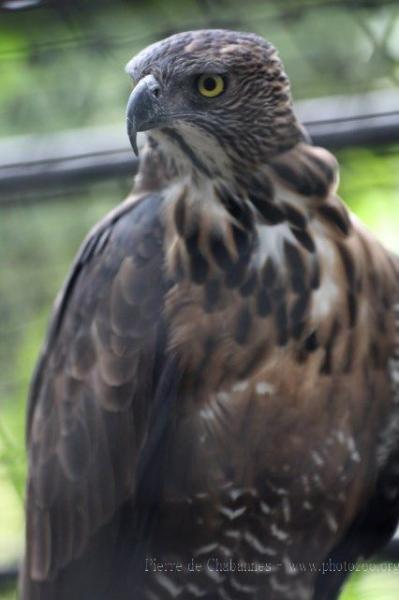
199 264
315 276
348 264
296 267
335 217
304 238
235 207
264 304
294 216
236 275
172 134
243 325
349 355
261 187
304 182
327 366
242 240
311 343
219 250
328 172
281 323
352 308
269 273
180 213
298 312
255 360
249 285
271 213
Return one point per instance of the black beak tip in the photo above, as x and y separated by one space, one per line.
133 142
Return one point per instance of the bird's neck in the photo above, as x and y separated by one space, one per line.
185 152
307 173
171 155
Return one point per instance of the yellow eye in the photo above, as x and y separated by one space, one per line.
210 85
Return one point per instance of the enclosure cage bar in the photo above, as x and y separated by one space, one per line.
86 164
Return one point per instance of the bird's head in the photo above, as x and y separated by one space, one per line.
221 98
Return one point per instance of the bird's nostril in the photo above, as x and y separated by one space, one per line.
156 91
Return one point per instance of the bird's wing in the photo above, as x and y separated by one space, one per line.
93 391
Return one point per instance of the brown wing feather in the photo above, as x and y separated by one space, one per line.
91 396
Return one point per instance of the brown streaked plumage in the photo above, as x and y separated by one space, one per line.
219 385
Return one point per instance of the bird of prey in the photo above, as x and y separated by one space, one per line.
215 413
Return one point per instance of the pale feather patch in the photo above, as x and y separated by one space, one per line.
317 459
263 387
241 587
207 549
278 533
223 396
234 534
265 508
317 479
331 521
271 242
286 510
241 386
256 544
350 444
231 513
327 296
169 585
206 147
279 587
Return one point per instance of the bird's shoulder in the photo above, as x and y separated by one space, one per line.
114 239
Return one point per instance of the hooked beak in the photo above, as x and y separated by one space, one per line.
144 109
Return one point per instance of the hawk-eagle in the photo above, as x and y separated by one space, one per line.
215 411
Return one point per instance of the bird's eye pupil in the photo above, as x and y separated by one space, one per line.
209 84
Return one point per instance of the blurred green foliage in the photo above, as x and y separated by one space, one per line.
375 584
328 48
59 72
